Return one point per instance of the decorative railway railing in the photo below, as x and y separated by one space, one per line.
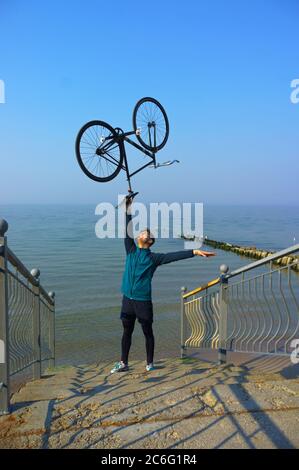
27 321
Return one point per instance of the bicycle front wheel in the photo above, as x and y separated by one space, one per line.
151 122
98 151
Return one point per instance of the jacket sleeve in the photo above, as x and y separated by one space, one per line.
164 258
129 241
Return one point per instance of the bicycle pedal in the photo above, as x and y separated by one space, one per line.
132 195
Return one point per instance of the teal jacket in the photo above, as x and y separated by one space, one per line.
141 264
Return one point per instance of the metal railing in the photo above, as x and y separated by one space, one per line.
254 309
27 321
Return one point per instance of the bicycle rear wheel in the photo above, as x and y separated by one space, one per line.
98 151
150 118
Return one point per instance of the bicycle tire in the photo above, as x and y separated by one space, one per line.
146 143
116 159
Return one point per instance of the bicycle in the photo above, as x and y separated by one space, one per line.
100 148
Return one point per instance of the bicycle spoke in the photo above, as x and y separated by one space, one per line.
92 137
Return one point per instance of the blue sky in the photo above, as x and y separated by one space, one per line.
221 69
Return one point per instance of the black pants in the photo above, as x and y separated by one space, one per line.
128 324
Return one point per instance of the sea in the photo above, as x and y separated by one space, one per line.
85 272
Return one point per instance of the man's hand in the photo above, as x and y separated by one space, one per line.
205 254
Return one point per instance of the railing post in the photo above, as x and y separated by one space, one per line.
4 323
37 366
223 314
52 331
183 324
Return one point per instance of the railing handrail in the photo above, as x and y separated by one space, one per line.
46 296
248 267
261 262
17 263
214 282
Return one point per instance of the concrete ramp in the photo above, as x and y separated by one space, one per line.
182 404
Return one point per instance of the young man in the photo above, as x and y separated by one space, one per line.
141 264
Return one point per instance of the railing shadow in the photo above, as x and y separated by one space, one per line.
269 428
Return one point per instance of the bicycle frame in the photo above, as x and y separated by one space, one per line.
124 137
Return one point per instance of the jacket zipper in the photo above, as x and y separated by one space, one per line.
133 275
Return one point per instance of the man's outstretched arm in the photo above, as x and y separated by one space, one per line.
164 258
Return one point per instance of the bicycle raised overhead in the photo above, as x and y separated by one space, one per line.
100 148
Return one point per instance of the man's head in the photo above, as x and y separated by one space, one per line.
145 239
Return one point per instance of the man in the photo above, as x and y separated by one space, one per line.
141 264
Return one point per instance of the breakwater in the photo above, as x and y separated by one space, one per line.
251 252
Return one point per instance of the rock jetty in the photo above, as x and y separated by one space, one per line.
251 252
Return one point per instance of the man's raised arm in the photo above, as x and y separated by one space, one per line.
129 240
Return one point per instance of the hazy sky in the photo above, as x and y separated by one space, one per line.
222 69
